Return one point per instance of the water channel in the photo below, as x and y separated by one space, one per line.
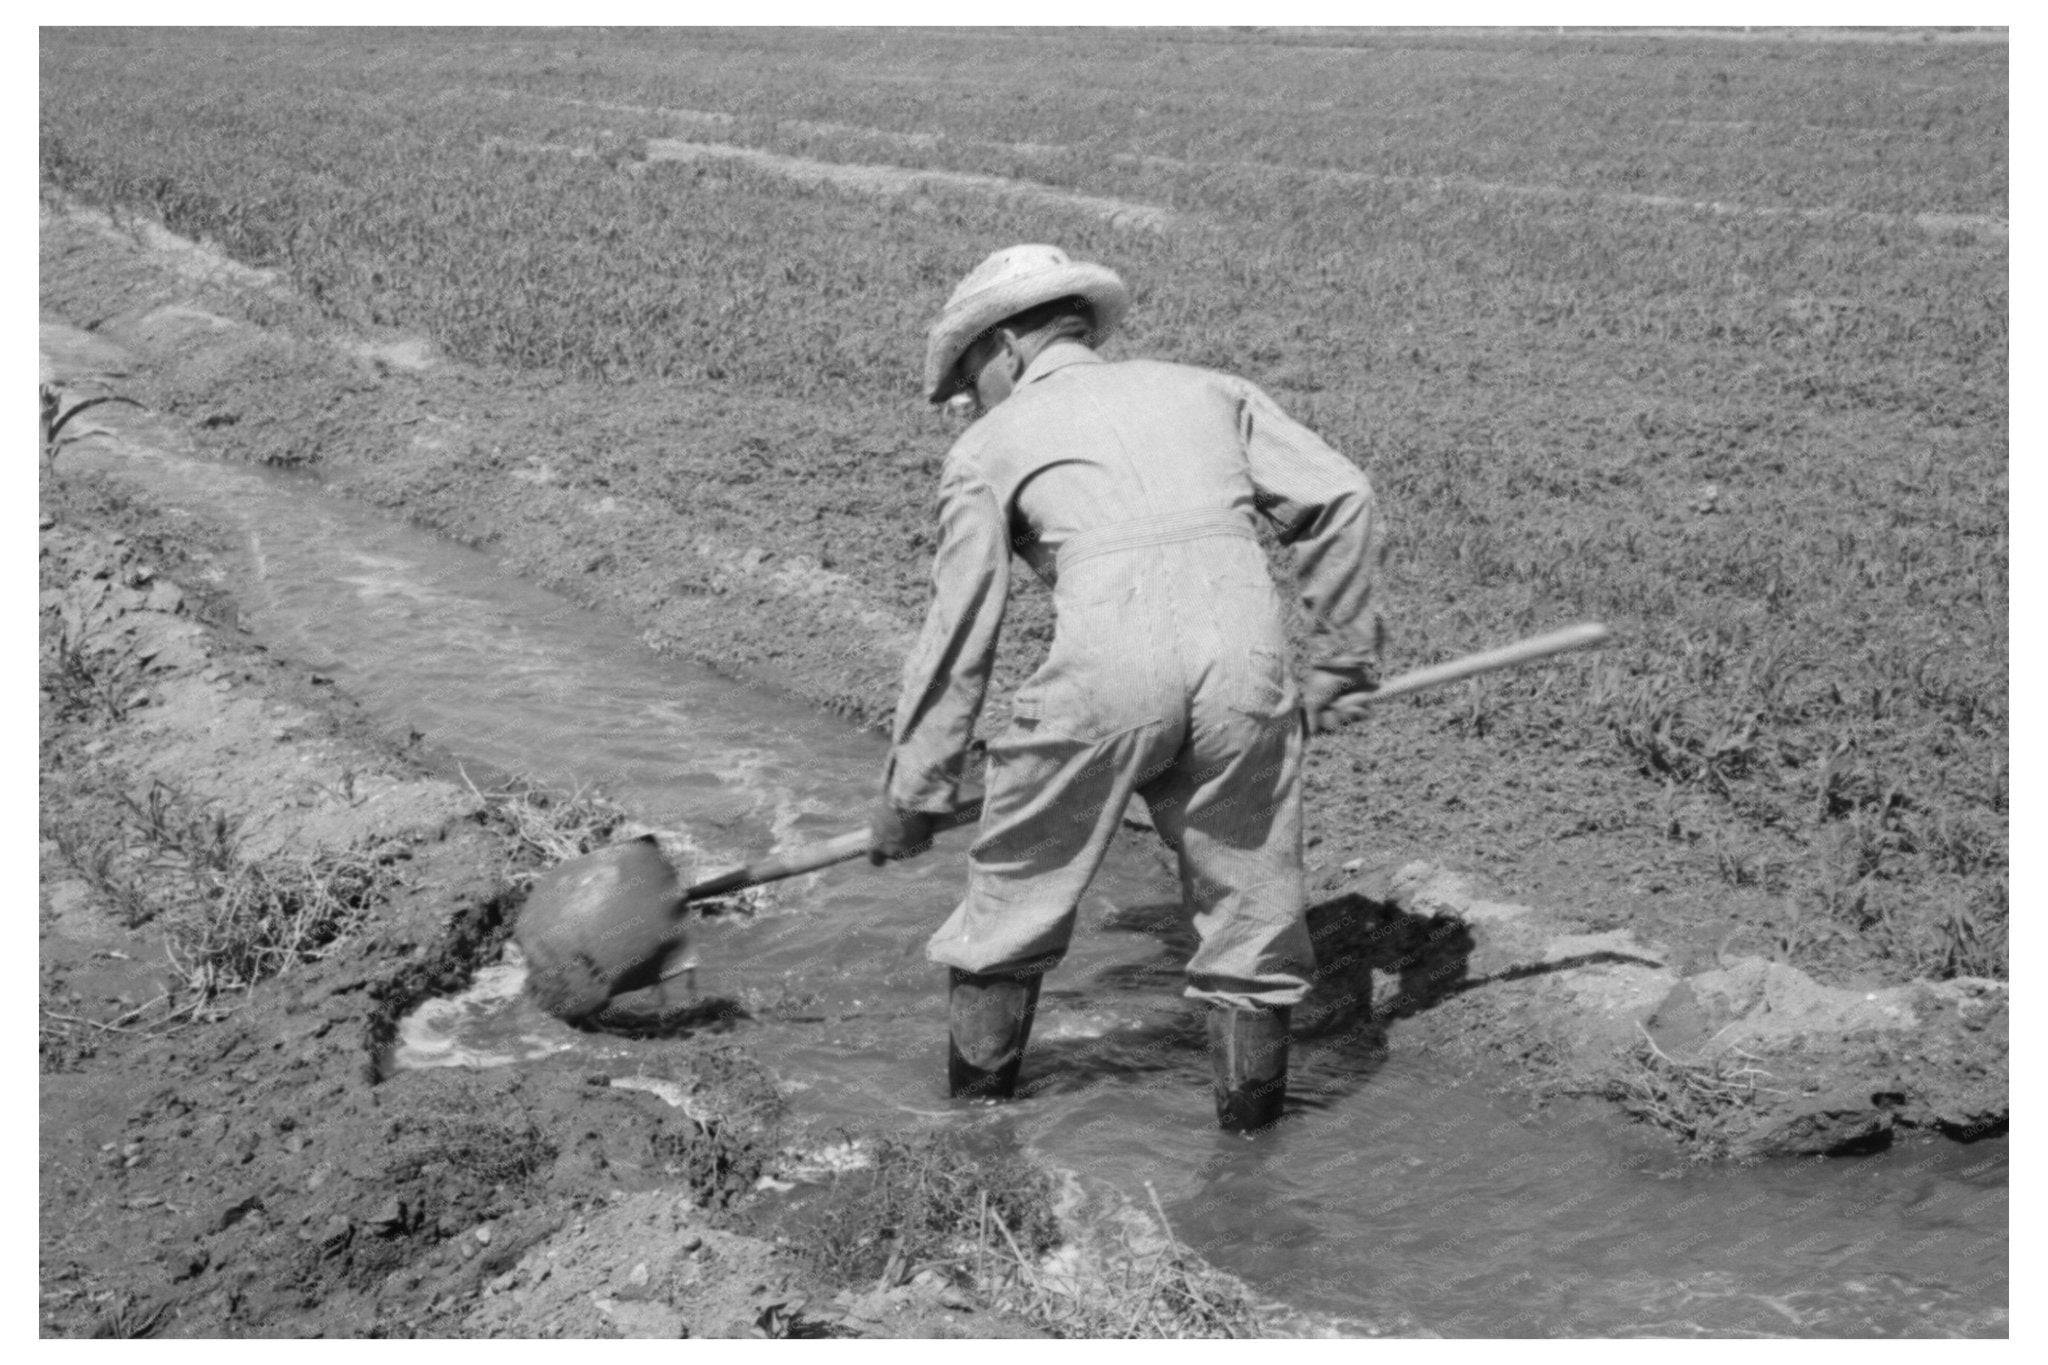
1393 1197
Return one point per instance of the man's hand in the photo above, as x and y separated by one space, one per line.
1328 684
894 834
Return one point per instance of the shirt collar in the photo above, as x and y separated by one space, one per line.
1060 354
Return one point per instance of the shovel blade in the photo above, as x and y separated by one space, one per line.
601 924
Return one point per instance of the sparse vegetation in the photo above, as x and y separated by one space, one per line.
160 857
934 1204
54 417
130 1316
228 920
88 674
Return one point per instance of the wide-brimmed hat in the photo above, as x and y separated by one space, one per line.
1013 280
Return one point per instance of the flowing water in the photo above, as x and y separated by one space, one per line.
1393 1198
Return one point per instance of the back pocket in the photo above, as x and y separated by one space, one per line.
1263 684
1056 709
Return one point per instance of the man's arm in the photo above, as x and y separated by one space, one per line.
946 675
1323 507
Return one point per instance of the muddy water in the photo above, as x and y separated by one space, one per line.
1392 1199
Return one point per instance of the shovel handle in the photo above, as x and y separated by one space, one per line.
1582 636
854 843
840 849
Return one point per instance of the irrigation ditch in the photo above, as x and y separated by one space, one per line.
248 879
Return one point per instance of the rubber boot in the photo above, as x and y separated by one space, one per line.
990 1018
1248 1049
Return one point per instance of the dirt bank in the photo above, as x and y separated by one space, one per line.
1735 1056
869 179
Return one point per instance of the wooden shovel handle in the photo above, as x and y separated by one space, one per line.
854 843
1582 636
840 849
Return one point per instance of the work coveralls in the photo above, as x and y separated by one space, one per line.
1131 488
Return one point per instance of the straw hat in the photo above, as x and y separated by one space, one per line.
1013 280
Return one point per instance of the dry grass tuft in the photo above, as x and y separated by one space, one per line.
487 1151
1704 1101
1140 1288
86 675
985 1223
545 826
908 1209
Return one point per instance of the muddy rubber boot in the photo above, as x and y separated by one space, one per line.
1248 1049
990 1021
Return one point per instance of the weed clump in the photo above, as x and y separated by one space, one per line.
130 1317
1125 1278
1705 1102
926 1202
719 1162
937 1203
485 1151
545 826
86 675
721 1147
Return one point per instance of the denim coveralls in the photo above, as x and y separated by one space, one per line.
1131 488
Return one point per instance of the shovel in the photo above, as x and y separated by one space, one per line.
610 924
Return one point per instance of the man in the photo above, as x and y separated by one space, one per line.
1131 488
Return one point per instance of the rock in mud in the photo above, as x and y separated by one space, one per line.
389 1217
234 1211
184 1265
1844 1122
1974 1122
1838 1068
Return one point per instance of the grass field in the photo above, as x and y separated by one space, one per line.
1703 338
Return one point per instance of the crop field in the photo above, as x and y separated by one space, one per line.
1702 337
